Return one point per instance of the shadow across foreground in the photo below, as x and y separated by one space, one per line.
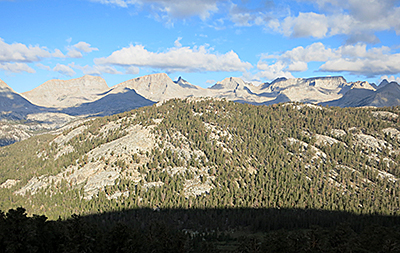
196 230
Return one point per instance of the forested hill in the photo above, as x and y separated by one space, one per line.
208 153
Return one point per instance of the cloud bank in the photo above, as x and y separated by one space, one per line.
18 52
353 59
184 59
358 20
14 58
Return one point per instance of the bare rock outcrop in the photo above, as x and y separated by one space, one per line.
385 115
371 142
322 140
9 183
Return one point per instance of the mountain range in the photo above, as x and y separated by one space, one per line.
90 95
57 102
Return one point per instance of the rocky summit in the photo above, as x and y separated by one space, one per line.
60 93
159 87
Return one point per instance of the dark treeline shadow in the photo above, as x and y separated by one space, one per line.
201 230
250 219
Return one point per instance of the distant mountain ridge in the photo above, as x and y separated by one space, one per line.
13 105
58 102
90 95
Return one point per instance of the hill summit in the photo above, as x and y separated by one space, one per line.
68 93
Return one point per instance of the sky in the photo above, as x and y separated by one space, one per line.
203 41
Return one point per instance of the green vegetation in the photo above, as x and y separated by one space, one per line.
250 158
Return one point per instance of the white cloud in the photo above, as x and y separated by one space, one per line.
177 42
18 52
40 65
198 59
305 25
74 53
63 69
359 60
271 71
314 52
168 9
297 66
120 3
132 70
354 59
76 50
358 19
84 47
240 15
365 66
13 57
17 67
58 54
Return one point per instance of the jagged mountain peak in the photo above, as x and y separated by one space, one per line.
391 86
229 83
160 87
383 83
180 79
279 79
185 84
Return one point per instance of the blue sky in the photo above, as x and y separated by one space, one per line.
202 41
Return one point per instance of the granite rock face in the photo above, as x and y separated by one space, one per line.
159 87
69 93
